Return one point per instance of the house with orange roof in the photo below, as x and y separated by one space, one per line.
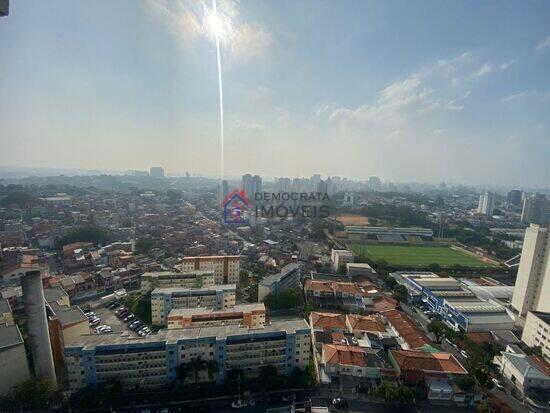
410 336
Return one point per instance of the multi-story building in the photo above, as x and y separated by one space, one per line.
167 279
13 358
514 197
357 269
249 315
536 332
340 258
535 209
153 361
226 268
252 185
163 300
486 204
532 287
156 172
289 277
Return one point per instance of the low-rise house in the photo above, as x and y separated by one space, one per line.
409 335
526 373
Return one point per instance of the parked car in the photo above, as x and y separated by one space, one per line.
289 397
95 321
129 317
464 354
339 403
498 384
133 324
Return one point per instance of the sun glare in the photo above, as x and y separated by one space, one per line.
215 24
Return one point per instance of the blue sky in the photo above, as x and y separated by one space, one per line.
427 91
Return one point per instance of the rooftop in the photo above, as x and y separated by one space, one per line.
328 321
428 362
533 367
177 290
343 354
172 336
239 308
406 328
9 336
365 323
274 278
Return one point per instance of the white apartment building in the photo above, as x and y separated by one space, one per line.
163 300
340 258
486 204
153 361
167 279
532 289
536 332
226 267
249 315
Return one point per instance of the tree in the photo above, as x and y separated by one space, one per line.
144 245
400 293
90 233
285 299
434 267
440 330
390 282
269 378
34 393
392 393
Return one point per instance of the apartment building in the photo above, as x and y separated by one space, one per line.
248 315
152 361
163 300
532 287
340 258
536 332
289 277
167 279
226 267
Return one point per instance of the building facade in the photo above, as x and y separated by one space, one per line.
153 361
167 279
249 315
340 258
486 204
532 287
163 300
226 268
536 332
289 277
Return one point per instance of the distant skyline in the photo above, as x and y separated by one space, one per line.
411 92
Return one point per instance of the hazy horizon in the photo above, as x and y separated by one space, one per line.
429 92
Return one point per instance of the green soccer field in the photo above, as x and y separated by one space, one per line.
414 256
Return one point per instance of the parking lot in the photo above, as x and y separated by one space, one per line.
109 318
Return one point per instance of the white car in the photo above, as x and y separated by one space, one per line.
464 354
497 384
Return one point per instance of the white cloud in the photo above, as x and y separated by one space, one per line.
187 20
526 94
506 65
485 69
544 44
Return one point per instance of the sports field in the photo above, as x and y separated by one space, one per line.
414 256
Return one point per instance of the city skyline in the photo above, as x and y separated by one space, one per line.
424 93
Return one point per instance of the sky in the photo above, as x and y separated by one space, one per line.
425 91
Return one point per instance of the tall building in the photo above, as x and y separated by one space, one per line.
375 183
251 185
535 209
4 7
223 191
340 258
514 197
156 172
486 204
535 332
37 326
532 289
226 268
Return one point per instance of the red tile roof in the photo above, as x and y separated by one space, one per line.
328 321
365 323
342 354
406 328
414 360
